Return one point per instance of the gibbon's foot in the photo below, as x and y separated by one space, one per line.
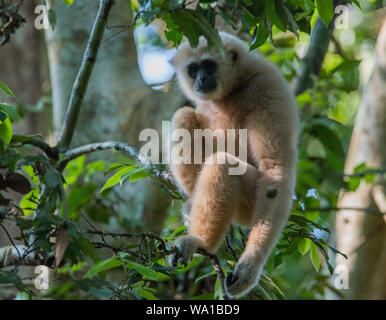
244 278
186 247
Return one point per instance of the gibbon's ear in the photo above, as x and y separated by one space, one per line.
173 60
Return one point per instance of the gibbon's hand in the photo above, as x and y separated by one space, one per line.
186 247
185 118
244 278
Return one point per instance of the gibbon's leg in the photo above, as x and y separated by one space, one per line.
215 201
186 174
274 197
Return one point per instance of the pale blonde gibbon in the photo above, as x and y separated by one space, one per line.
241 91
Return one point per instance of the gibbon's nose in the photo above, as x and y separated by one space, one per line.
205 82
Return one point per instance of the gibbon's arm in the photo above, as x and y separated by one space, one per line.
273 201
185 174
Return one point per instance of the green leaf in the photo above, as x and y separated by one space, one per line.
5 133
103 266
217 289
213 272
10 111
114 167
261 35
95 166
314 256
205 296
115 178
172 34
304 245
68 2
26 204
74 169
146 294
286 16
52 17
210 33
148 273
88 249
138 174
325 10
353 183
79 196
3 116
52 178
336 251
5 88
272 14
328 138
183 22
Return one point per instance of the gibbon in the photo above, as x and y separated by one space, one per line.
239 91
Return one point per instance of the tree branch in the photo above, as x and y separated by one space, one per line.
51 152
312 62
69 155
80 85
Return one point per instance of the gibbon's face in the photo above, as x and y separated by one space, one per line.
206 75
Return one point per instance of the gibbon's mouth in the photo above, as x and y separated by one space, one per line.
205 88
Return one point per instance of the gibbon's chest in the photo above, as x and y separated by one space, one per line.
223 124
220 118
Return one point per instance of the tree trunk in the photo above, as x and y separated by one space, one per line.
361 235
22 68
118 104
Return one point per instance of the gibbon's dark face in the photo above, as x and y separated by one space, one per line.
204 75
208 75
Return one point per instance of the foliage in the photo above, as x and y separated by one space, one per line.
259 19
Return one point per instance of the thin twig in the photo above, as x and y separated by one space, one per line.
326 209
141 235
104 244
10 239
365 172
219 271
124 28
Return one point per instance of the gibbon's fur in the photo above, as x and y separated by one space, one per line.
242 91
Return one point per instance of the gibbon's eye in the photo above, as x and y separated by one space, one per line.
233 55
193 69
209 66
